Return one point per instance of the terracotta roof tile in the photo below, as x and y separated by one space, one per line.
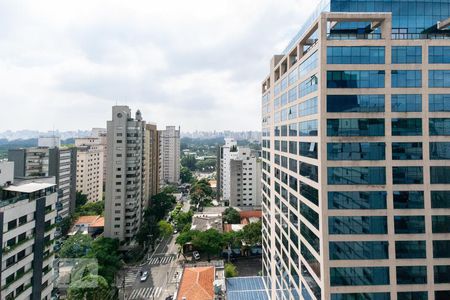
86 219
197 284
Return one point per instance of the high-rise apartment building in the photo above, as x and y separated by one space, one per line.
151 153
27 215
227 152
45 161
169 149
101 134
356 149
90 155
125 179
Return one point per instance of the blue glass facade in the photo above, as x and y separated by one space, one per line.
355 103
355 79
355 55
406 54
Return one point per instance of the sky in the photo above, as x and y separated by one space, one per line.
198 63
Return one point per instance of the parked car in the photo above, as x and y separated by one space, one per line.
196 255
175 231
169 297
144 276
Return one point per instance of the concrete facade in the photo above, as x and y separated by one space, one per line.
6 172
169 149
227 153
151 149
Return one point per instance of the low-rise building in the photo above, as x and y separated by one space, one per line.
92 225
202 283
205 221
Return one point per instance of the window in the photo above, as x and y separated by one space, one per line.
440 175
439 150
440 199
292 94
406 54
309 171
356 151
359 276
408 199
439 126
406 103
406 151
356 175
293 129
361 296
441 249
355 55
407 127
412 275
440 224
310 237
439 55
308 128
406 78
308 86
356 200
355 103
357 225
355 127
442 295
407 175
412 296
308 64
409 224
441 274
439 102
308 107
309 214
355 79
309 192
410 249
439 78
358 250
308 149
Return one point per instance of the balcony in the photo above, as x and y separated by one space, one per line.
354 36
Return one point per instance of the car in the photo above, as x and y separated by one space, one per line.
196 255
169 297
144 276
175 231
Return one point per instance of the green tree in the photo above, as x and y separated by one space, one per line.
230 270
189 162
106 251
80 199
186 237
90 287
186 175
231 216
182 218
76 246
207 165
169 189
165 228
91 209
251 233
209 241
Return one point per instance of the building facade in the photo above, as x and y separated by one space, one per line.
356 149
169 149
227 152
6 172
90 155
151 149
125 179
27 215
101 134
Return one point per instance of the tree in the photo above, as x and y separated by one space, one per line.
90 287
231 216
80 199
186 175
251 233
230 270
106 251
169 189
209 241
207 165
91 209
182 218
189 162
201 192
165 228
76 246
186 237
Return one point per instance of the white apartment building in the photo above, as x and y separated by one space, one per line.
102 134
6 172
27 215
227 153
49 141
90 155
169 147
124 182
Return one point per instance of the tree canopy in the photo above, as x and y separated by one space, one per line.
231 216
165 228
106 251
210 241
230 270
90 287
76 246
186 175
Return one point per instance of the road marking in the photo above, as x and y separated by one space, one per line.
145 293
161 260
131 276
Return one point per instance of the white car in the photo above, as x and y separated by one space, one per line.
144 276
196 255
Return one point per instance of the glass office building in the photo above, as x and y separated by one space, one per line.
356 155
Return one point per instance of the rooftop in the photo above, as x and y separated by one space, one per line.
246 288
205 221
28 187
197 284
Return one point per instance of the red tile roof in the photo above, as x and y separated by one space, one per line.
197 284
250 214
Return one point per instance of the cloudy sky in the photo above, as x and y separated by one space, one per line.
194 63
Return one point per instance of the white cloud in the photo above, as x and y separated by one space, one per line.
196 63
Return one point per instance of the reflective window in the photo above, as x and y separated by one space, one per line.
293 76
440 150
293 129
406 151
441 274
308 128
440 175
441 249
308 107
439 55
358 250
439 78
406 103
355 79
293 147
410 249
359 276
439 102
442 295
356 151
310 237
356 200
408 199
412 296
309 171
357 225
310 215
407 175
355 127
440 224
409 224
356 175
309 192
308 149
412 275
308 65
439 126
440 199
292 94
308 86
361 296
310 259
355 55
406 54
406 78
407 127
355 103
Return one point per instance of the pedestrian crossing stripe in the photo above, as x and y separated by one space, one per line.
161 260
145 293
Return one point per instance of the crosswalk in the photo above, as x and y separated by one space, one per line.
131 276
145 293
161 260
